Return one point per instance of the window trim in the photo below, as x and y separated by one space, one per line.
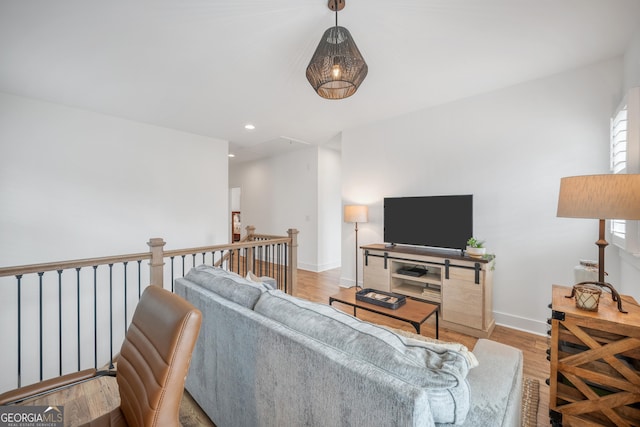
630 241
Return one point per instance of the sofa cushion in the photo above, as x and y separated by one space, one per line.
496 396
268 282
227 284
441 372
411 338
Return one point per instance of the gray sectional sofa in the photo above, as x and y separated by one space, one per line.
265 358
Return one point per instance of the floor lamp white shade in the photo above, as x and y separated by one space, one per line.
355 214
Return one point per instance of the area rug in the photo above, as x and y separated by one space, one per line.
530 399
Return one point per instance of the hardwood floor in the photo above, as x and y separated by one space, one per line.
81 405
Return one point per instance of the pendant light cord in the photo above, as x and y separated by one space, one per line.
335 33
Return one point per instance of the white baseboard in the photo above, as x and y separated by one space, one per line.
521 323
347 283
318 268
329 266
308 267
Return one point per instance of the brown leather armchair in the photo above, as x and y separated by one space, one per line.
152 366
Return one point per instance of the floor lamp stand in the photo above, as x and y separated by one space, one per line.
356 256
602 243
355 214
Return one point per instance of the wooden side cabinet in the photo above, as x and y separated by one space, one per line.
595 362
461 285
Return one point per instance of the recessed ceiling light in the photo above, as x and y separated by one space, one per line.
231 155
249 126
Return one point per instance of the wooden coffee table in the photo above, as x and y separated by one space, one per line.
414 311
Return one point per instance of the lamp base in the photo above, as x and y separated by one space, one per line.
602 243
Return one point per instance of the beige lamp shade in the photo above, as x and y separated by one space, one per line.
600 196
356 213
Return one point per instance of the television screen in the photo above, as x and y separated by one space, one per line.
436 221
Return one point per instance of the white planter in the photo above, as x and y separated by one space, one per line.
476 252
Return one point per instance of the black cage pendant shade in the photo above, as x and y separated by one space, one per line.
337 68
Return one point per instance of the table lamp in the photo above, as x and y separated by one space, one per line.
601 197
356 214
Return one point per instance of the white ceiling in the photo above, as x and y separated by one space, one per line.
211 66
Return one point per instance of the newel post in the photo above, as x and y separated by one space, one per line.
251 231
293 260
250 261
156 265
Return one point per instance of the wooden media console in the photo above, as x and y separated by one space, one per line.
461 285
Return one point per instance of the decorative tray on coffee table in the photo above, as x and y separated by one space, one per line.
381 298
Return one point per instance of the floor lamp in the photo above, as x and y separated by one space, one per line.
356 214
601 197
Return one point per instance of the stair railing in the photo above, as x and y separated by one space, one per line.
72 315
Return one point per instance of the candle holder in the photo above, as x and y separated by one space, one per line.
588 295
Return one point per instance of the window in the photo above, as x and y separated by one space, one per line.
619 140
625 158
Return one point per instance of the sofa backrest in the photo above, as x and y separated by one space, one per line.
227 284
249 370
442 372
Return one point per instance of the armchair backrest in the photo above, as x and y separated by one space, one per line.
155 358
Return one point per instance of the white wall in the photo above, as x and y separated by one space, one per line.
329 209
509 148
235 199
630 265
631 73
76 184
279 193
299 189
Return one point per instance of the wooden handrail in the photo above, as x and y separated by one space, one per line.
216 248
63 265
157 254
266 236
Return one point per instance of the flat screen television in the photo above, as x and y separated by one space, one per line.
434 221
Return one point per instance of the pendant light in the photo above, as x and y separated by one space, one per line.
337 68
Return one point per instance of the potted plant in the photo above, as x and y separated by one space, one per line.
475 248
